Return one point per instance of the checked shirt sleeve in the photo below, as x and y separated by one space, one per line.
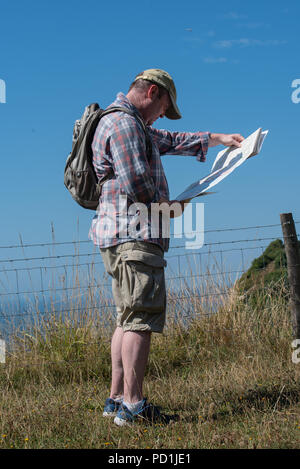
181 143
129 156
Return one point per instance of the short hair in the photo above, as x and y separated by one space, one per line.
143 85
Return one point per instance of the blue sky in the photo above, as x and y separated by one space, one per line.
233 64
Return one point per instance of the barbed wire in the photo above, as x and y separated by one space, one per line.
214 252
105 305
55 243
76 255
101 285
186 276
232 242
61 266
90 286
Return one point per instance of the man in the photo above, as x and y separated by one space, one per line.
137 264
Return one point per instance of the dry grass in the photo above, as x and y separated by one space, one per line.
229 376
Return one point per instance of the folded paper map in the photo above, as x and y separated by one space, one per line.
226 161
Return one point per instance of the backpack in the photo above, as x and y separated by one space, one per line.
79 176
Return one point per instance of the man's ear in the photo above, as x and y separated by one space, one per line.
152 91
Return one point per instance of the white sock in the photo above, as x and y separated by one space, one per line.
133 407
119 400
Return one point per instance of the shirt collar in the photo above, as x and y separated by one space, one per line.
122 100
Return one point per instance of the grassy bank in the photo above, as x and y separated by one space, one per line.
230 378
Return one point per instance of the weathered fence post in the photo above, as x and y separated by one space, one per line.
293 266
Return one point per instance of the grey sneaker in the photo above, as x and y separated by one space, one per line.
146 411
111 407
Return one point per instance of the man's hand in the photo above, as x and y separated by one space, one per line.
182 203
225 139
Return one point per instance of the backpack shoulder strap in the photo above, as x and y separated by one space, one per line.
138 118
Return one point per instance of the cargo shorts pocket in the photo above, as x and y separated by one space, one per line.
143 281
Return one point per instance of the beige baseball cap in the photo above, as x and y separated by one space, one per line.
162 78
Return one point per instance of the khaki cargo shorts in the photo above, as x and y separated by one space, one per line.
138 284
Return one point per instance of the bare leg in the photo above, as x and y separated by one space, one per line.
135 353
117 388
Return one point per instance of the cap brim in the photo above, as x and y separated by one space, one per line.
173 111
172 114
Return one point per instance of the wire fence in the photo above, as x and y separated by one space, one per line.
38 285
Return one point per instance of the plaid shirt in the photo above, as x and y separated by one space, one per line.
119 145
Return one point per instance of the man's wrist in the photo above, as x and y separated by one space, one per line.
213 139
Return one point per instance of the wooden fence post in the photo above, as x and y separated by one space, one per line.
293 266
